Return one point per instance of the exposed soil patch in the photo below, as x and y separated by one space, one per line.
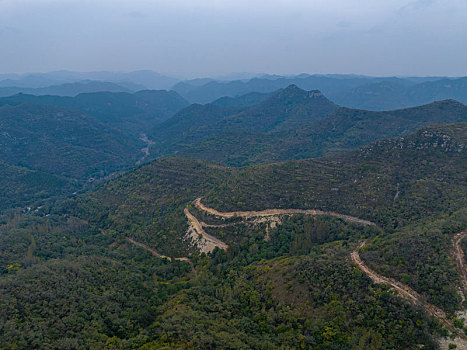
277 212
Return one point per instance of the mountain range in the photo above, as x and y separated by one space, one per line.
144 79
67 89
130 113
350 91
94 135
353 91
290 124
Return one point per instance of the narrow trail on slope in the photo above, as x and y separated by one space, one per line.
156 253
406 292
460 260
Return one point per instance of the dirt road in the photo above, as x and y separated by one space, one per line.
276 212
406 292
460 260
207 243
146 150
156 253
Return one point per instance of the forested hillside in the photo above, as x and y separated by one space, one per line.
297 288
130 113
22 187
61 141
292 124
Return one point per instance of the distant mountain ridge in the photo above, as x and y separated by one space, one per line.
247 100
353 91
67 89
373 93
145 79
388 95
287 108
285 127
128 112
214 89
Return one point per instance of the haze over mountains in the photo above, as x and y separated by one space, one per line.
354 91
144 78
238 175
349 91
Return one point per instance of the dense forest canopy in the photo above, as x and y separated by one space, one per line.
133 220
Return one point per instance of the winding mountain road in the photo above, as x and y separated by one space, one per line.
276 212
207 243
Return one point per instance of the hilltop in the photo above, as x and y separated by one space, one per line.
287 108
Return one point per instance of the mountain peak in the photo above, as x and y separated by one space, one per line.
291 89
448 102
294 92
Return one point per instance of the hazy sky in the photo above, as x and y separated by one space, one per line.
210 37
